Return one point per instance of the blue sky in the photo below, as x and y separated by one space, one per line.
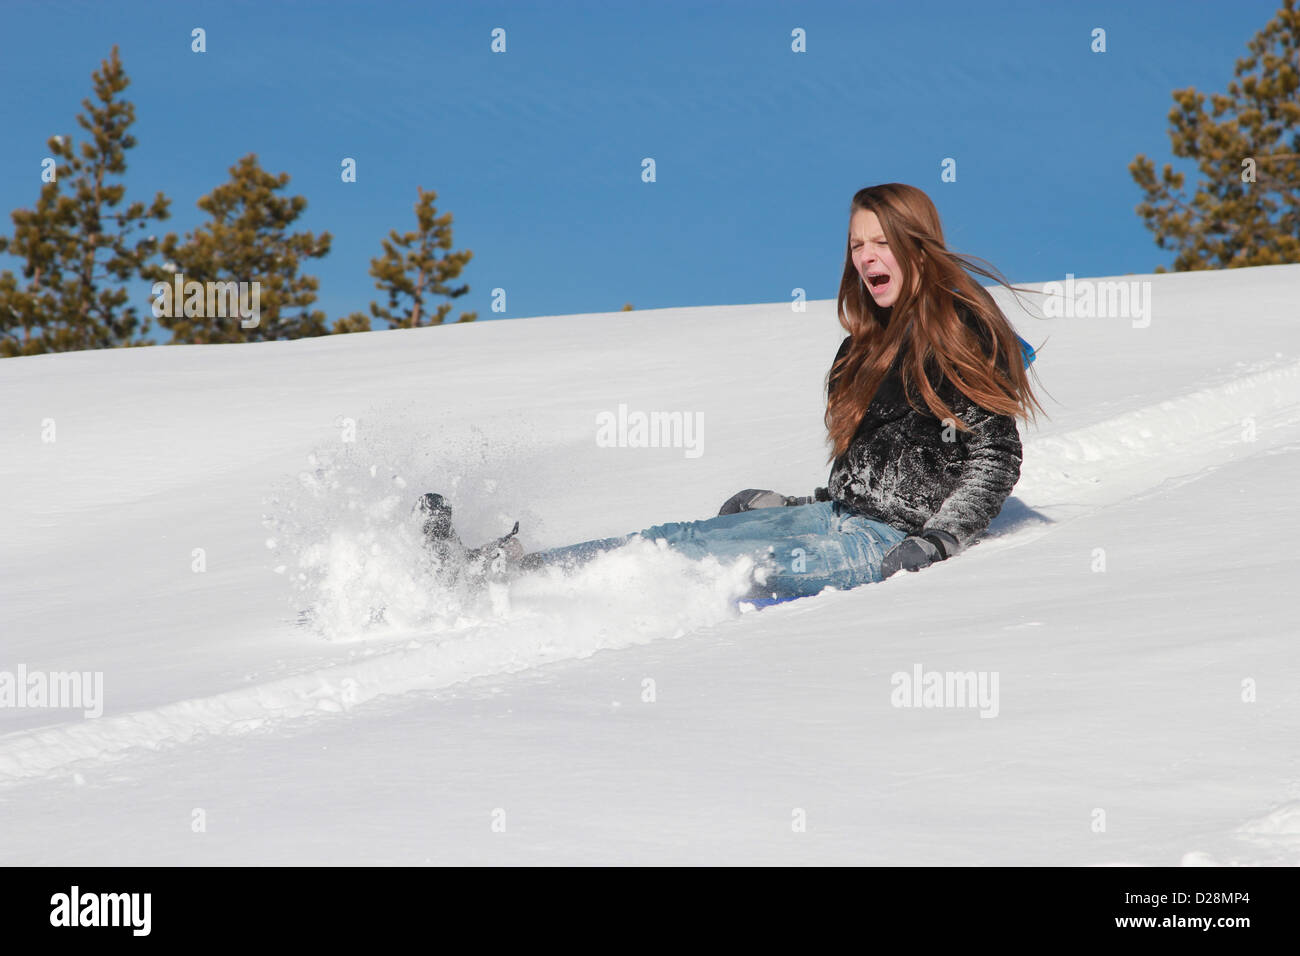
537 152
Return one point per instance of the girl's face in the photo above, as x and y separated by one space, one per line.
873 258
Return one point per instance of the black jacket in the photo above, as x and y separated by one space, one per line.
899 470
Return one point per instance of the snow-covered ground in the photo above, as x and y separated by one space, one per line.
1134 602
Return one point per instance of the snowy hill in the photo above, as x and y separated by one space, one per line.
168 512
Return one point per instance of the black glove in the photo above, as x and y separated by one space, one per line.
919 551
820 494
752 498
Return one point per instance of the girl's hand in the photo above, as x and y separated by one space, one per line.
752 498
919 551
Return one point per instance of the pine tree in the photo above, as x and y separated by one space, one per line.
247 239
354 322
1246 208
412 270
77 244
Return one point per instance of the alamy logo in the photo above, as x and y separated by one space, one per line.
922 688
624 429
73 690
102 909
1092 299
213 300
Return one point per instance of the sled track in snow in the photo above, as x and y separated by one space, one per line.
330 690
1206 426
1103 462
1075 473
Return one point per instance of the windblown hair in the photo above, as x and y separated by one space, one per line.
923 324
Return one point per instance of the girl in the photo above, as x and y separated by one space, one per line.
922 401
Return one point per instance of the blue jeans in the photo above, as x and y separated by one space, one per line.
804 547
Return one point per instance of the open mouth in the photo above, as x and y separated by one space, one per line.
878 280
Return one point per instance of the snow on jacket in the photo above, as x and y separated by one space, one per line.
899 470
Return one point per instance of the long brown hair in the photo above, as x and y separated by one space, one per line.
923 324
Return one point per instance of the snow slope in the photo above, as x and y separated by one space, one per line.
1173 448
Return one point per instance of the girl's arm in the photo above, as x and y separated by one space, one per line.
991 470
